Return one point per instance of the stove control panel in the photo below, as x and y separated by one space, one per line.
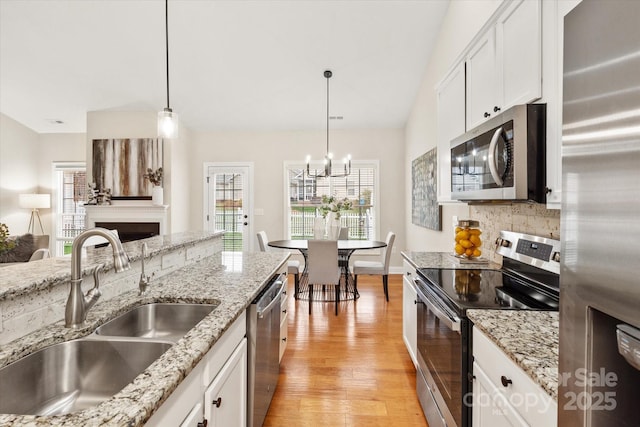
542 252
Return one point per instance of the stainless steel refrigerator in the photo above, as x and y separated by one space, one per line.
599 372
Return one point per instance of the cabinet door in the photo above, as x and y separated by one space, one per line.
482 79
409 315
225 400
451 124
490 407
519 55
195 417
283 325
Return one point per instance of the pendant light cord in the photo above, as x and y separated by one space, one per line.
327 75
166 28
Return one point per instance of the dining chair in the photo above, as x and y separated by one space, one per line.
322 267
380 267
293 266
344 233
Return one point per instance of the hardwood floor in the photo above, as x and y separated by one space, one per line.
347 370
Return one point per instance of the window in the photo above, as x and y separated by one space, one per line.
304 198
70 195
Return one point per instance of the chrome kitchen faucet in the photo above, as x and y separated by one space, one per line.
77 305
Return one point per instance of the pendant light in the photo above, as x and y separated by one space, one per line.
167 119
328 158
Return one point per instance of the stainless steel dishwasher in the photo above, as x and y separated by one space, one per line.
263 336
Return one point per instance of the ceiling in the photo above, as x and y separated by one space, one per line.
234 65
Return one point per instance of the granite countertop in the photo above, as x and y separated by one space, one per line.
444 260
22 278
529 338
233 286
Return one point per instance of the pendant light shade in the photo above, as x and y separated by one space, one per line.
328 170
167 119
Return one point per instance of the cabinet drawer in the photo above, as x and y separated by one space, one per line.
527 397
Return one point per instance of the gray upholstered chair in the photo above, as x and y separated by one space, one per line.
322 267
293 266
380 267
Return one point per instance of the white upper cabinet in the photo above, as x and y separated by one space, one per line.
504 65
451 124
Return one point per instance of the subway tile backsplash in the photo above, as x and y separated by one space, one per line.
531 218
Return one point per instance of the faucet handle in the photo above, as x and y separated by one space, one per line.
94 293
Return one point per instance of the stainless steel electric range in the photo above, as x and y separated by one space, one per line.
528 280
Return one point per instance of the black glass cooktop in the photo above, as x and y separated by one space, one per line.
465 289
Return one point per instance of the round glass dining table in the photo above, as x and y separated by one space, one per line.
346 248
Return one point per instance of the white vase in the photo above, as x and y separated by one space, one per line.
319 228
333 226
157 196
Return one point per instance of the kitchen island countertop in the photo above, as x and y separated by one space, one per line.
232 285
529 338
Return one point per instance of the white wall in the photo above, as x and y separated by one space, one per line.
463 20
269 150
25 167
143 124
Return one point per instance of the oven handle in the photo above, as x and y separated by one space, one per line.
276 300
451 323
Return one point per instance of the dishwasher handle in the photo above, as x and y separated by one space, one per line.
275 301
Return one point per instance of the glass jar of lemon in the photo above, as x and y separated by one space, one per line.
467 234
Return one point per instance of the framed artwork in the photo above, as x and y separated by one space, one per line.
425 210
120 165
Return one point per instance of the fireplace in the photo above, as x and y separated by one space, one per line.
140 220
128 231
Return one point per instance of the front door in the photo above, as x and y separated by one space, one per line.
228 203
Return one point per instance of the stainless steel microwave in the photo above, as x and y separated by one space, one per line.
502 159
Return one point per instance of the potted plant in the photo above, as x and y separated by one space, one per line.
155 178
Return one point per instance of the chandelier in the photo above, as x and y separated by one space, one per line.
328 170
167 119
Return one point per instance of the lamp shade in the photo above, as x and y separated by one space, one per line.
34 201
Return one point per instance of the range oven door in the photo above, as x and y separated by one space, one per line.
442 355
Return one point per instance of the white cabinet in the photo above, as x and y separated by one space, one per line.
409 313
451 124
553 38
225 398
283 325
504 66
503 394
222 371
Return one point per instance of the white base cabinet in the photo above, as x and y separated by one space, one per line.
283 325
224 404
409 313
222 373
503 394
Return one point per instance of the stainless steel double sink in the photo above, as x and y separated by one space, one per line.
78 374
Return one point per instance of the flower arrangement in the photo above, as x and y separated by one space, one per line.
154 177
331 204
5 243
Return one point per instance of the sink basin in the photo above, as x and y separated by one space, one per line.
157 321
73 375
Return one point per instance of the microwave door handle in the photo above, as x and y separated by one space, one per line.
453 324
493 168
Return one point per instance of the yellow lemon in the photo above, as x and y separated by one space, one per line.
459 250
469 252
477 253
475 239
463 235
466 244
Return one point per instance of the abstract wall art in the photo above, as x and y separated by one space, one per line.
120 165
425 210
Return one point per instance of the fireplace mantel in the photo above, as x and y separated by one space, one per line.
128 213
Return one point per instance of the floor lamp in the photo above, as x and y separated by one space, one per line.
34 202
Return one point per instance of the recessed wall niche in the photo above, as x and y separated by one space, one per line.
120 165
